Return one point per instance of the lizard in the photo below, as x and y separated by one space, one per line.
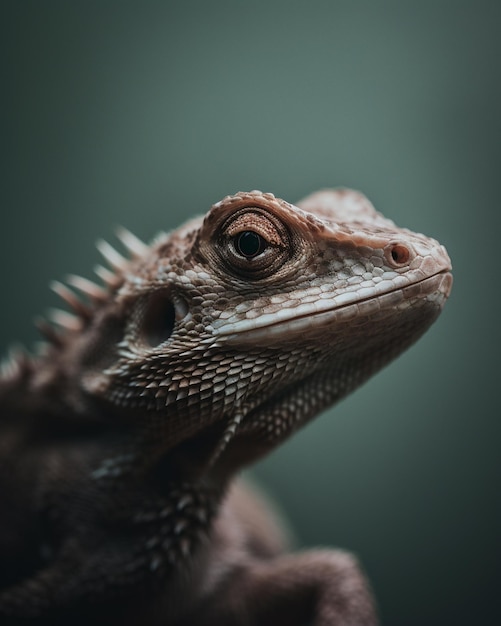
123 438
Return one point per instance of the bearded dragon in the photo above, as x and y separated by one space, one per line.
198 354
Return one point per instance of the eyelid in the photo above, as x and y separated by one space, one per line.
256 223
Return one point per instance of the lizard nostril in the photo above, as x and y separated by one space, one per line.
399 254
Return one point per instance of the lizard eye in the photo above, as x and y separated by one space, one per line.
250 244
254 243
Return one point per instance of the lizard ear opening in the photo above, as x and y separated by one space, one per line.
161 313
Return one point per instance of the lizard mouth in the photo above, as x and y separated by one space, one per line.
287 321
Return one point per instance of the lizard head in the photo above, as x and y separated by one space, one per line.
239 327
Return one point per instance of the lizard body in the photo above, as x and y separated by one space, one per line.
202 352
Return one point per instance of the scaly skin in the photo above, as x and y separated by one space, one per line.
201 353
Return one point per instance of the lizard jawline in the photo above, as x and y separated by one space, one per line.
437 285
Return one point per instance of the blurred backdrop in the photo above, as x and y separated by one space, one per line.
145 113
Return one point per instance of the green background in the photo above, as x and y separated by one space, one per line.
144 114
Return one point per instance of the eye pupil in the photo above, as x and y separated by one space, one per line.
249 244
